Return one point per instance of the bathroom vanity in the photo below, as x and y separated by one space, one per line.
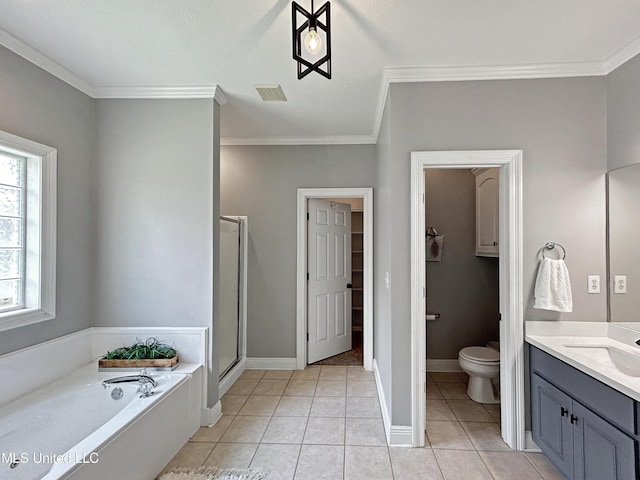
585 398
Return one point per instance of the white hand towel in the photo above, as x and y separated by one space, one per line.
553 287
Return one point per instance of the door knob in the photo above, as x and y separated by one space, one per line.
349 285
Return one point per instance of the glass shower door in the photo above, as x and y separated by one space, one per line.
228 341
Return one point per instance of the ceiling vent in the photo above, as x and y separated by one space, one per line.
271 93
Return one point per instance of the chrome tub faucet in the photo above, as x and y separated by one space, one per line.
147 384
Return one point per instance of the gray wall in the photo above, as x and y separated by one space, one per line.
156 190
560 124
623 115
382 244
463 288
261 182
37 106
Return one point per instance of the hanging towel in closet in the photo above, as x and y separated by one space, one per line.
553 287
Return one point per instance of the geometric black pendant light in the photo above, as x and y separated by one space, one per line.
312 39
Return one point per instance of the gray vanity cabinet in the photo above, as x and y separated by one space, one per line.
585 428
551 432
600 449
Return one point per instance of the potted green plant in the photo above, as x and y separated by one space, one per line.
152 353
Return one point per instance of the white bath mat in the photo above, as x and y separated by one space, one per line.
213 473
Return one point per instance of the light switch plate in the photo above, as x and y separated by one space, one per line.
619 284
593 284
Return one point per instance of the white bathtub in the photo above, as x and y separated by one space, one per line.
74 429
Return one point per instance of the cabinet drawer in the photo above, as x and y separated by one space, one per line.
608 403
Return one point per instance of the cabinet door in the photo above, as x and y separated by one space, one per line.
487 225
602 452
550 426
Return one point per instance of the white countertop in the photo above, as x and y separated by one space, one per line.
553 337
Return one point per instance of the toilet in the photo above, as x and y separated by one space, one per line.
482 364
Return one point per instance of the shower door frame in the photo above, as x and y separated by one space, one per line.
236 370
512 357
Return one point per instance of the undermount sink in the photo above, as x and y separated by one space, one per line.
608 355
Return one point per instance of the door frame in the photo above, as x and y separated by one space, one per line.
301 268
511 285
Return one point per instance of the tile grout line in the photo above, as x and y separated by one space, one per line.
534 466
486 466
306 425
438 463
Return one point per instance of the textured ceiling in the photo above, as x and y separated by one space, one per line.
237 43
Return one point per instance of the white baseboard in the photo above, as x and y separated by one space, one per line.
443 365
386 419
257 363
400 436
231 377
529 444
210 416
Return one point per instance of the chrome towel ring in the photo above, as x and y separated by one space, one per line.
551 246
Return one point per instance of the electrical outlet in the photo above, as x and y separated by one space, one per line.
593 284
619 284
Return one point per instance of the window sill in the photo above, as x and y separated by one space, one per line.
21 318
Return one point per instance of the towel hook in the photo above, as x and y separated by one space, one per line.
551 246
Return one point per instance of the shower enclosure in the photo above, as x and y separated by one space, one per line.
229 340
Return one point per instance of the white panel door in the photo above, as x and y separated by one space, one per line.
329 283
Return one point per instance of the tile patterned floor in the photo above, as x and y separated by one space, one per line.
324 423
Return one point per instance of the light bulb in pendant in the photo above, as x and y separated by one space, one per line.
313 42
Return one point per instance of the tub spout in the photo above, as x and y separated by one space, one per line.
144 380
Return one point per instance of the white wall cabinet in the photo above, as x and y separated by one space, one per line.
487 214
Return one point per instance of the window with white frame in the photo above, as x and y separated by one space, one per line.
27 231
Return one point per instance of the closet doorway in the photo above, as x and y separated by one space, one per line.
360 270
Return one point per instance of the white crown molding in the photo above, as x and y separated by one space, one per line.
623 55
492 72
389 75
328 140
25 51
485 72
167 92
219 96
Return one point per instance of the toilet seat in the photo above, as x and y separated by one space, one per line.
481 355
